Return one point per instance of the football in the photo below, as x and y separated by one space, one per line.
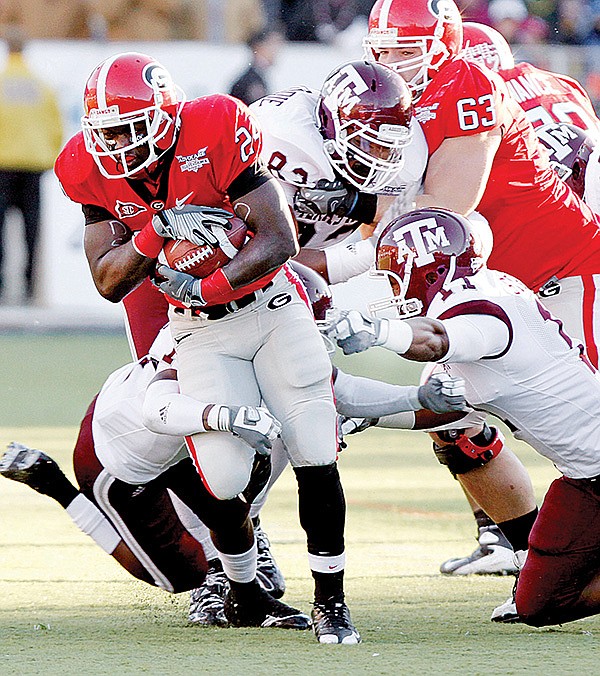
201 260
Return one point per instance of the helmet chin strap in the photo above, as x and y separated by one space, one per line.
450 276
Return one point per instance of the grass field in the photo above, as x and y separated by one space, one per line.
66 607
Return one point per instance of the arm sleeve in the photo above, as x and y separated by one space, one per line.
365 398
472 337
349 258
166 411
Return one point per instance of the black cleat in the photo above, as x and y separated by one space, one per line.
332 623
207 601
262 610
268 572
32 467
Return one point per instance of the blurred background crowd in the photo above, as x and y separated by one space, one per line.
575 22
270 41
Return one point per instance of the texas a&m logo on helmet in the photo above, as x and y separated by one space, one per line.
423 252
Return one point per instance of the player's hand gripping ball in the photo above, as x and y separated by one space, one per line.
216 244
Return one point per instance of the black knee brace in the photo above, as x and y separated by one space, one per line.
322 508
464 454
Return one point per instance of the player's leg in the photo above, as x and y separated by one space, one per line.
29 204
576 302
213 367
6 200
560 580
494 477
146 312
294 374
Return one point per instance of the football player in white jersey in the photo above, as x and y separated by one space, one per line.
492 331
358 132
131 463
141 498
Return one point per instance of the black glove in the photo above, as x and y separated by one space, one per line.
327 198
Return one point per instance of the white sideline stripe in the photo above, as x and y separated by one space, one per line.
101 85
101 488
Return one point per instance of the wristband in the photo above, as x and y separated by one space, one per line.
348 260
216 418
147 242
215 288
395 335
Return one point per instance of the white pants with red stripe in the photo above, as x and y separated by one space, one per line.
577 305
271 352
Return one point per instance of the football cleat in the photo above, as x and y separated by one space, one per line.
493 556
31 467
268 572
332 623
262 610
207 601
507 611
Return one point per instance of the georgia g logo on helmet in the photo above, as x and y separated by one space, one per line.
158 79
445 10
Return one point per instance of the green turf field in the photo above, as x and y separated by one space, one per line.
66 607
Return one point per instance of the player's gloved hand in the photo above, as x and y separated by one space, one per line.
191 222
327 198
354 332
443 393
256 426
180 286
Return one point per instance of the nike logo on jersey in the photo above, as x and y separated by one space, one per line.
180 201
178 339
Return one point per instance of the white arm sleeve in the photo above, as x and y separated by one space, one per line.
357 397
398 421
166 411
348 259
471 337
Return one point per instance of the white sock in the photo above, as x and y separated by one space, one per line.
327 564
92 522
240 567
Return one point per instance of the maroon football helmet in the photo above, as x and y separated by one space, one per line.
365 112
569 148
317 289
423 252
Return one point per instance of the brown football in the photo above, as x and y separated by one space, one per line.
201 260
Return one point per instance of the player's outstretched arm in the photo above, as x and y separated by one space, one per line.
166 411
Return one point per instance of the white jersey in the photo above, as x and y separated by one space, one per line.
538 383
293 150
128 450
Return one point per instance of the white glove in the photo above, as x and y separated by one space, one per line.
443 393
354 332
256 426
193 223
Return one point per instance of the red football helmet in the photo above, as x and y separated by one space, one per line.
432 26
569 149
486 46
422 253
365 112
134 93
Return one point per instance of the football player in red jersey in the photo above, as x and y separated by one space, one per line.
545 97
150 164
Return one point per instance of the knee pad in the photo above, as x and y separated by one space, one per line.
461 454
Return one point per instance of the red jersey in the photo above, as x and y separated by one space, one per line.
218 138
549 97
541 228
